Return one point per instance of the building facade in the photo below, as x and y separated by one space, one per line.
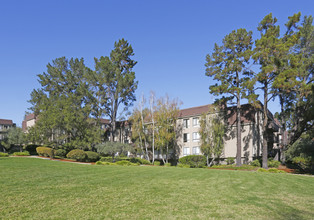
5 125
251 131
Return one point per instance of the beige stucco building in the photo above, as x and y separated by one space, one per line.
251 131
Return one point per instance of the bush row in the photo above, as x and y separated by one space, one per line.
271 163
4 154
132 160
24 153
78 155
271 170
194 161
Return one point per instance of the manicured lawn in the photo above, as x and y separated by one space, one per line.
41 189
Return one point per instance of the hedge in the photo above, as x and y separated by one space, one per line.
194 161
92 156
45 151
77 154
24 153
4 154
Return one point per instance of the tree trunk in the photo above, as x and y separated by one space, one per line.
167 153
265 123
211 162
239 148
207 160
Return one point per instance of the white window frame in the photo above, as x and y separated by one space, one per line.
186 151
196 122
186 123
196 136
196 150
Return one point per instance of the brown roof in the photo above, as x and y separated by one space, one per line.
247 114
6 122
104 121
29 117
193 111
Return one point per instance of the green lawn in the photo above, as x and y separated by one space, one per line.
42 189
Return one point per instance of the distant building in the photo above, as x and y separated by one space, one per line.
5 125
29 121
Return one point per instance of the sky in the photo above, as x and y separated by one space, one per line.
170 38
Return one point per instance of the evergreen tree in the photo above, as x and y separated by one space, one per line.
115 82
228 66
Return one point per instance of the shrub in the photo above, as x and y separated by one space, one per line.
183 165
157 163
99 163
92 156
273 163
24 153
4 154
126 163
262 170
60 153
230 160
31 148
194 161
306 164
255 163
106 159
167 164
78 155
139 160
45 151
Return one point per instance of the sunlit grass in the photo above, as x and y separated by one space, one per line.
42 189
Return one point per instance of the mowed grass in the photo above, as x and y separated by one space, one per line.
43 189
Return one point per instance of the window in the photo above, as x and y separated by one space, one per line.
186 151
196 150
186 123
196 136
195 122
186 137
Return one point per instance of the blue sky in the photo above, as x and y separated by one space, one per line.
170 40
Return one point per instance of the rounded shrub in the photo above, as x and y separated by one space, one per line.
125 163
139 160
24 153
77 154
92 156
167 164
4 154
60 153
106 159
262 170
157 163
273 163
255 163
99 163
194 161
45 151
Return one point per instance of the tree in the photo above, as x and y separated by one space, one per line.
227 65
212 132
63 106
112 148
117 84
139 127
152 109
166 129
296 82
16 137
268 52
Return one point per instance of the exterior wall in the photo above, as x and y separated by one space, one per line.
251 136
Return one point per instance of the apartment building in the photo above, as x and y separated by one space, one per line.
5 125
251 131
29 121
